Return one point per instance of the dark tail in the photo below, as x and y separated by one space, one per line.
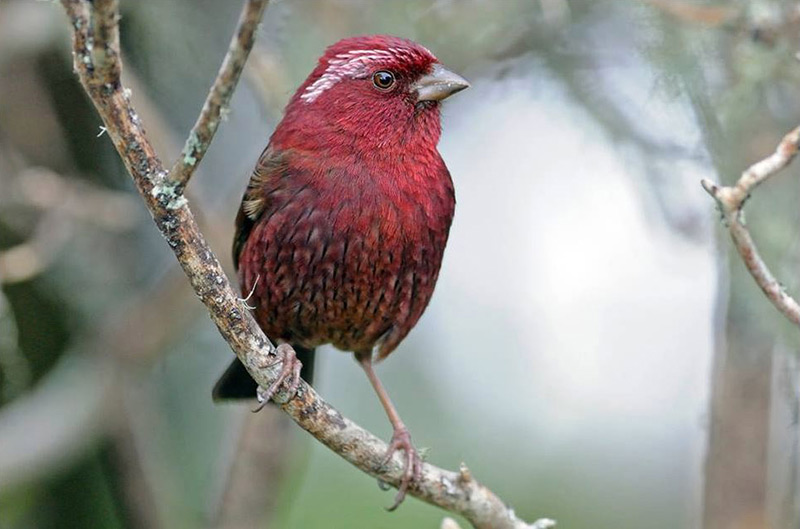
236 383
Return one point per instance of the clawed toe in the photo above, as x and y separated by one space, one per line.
289 376
412 464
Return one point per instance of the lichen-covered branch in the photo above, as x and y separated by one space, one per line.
219 97
731 202
96 50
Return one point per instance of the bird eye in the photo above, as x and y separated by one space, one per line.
383 80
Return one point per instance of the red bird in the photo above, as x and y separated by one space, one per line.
341 230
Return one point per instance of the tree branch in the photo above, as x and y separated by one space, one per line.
30 258
96 54
219 97
731 203
62 204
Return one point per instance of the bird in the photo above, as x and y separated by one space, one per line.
342 227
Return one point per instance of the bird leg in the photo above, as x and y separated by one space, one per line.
401 439
290 374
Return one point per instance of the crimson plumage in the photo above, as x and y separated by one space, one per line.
336 260
343 225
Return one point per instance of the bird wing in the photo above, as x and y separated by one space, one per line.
271 165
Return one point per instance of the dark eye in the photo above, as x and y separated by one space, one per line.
383 80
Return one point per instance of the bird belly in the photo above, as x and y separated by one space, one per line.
356 279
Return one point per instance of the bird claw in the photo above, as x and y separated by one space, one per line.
290 374
412 464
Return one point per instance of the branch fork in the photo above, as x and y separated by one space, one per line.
731 200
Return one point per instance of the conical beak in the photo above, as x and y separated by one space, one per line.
439 84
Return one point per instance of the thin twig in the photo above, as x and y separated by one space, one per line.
42 190
449 490
731 202
219 97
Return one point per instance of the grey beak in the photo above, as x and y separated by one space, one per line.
439 84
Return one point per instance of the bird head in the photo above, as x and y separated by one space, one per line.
383 90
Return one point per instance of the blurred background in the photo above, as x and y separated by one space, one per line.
595 350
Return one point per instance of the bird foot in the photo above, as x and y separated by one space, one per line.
289 376
412 464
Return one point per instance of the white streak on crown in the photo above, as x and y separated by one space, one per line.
354 64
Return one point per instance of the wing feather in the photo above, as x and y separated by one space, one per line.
271 165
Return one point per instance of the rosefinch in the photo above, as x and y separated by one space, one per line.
342 227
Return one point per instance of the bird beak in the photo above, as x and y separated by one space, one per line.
439 84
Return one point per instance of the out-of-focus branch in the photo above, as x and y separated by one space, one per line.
63 204
67 410
220 95
267 77
40 188
708 15
737 19
27 260
15 374
95 47
731 202
256 472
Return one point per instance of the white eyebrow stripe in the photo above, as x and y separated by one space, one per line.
353 64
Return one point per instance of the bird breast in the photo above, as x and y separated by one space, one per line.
353 265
